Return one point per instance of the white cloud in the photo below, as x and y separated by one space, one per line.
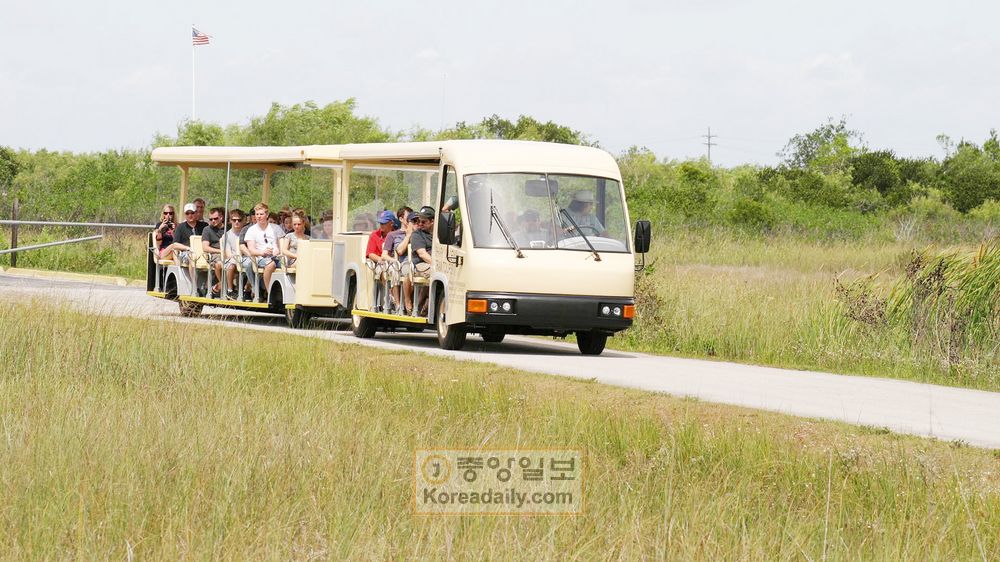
428 54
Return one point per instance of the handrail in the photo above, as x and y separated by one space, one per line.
92 224
49 244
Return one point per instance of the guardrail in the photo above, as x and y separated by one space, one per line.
15 223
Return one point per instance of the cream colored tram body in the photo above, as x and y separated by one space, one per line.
529 238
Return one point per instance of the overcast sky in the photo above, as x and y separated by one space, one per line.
88 76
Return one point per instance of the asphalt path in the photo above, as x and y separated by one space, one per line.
971 416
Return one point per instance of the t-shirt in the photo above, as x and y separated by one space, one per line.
264 238
233 242
293 241
212 235
421 239
375 241
392 241
184 232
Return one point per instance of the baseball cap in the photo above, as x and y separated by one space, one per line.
412 216
583 196
190 207
426 212
386 216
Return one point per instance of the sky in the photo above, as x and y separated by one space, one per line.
90 76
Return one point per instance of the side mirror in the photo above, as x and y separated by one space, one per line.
643 233
446 228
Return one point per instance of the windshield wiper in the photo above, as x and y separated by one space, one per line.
576 227
495 216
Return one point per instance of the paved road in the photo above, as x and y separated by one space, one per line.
907 407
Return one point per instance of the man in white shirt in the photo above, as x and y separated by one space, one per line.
262 242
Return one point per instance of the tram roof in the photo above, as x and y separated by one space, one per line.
472 155
239 156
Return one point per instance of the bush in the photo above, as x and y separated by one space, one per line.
751 214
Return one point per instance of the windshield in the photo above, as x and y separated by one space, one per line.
546 211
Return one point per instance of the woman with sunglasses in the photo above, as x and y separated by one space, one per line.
164 234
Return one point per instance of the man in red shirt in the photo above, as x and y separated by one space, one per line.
386 224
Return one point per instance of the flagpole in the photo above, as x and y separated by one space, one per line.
193 117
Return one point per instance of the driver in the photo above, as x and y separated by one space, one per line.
581 208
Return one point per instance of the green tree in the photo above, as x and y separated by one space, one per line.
969 177
9 167
826 149
525 128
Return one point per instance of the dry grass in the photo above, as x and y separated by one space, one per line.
118 438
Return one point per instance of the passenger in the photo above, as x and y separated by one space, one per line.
211 237
420 266
392 241
302 213
582 211
290 242
285 220
530 230
164 234
182 235
262 242
326 230
245 256
199 210
237 221
376 240
273 218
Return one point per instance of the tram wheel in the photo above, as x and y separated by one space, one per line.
449 337
298 318
363 326
190 309
591 343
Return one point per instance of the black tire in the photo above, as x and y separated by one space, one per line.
190 309
449 337
298 318
363 326
591 343
493 336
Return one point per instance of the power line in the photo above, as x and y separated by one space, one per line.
710 144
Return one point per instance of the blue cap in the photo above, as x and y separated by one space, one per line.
386 216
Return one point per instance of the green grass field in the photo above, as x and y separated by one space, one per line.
124 438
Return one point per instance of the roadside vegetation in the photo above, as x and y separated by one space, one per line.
817 262
122 439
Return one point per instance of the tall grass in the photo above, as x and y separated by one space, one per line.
781 301
124 437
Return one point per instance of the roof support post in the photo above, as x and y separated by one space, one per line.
266 194
345 191
427 189
184 193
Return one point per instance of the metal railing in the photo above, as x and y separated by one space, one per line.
14 223
92 224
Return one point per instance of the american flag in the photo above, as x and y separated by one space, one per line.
198 38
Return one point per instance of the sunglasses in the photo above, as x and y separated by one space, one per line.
171 213
214 218
235 220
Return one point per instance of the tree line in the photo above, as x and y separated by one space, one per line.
827 178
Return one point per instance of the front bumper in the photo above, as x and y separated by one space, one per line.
549 314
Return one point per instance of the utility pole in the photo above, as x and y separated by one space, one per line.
709 143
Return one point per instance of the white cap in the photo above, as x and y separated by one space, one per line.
190 207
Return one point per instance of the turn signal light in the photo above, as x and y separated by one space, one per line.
629 311
475 305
